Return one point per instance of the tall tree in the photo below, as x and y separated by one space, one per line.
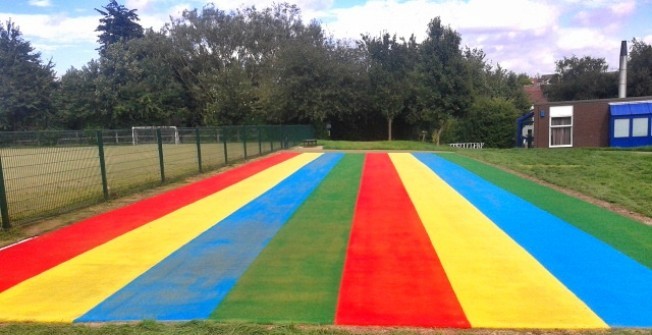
26 84
582 79
639 68
389 68
444 91
118 24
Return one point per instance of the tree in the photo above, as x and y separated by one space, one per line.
582 79
77 102
492 121
639 69
389 67
118 24
26 84
444 91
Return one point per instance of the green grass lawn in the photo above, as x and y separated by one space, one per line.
621 177
382 145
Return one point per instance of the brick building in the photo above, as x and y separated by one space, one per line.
593 123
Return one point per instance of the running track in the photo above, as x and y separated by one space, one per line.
350 239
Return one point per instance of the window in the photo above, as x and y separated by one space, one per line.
621 128
640 126
561 126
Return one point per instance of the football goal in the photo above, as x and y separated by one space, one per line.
147 135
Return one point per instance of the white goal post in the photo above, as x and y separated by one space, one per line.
147 135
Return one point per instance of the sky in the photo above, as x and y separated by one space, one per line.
524 36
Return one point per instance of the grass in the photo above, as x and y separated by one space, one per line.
621 177
382 145
41 182
211 328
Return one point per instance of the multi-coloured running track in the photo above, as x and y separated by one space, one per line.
382 239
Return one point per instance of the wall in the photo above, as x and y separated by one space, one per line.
590 122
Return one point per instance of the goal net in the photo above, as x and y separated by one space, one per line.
147 135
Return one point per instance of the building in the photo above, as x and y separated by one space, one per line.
622 122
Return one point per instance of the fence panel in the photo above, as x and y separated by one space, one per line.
50 172
234 139
212 148
181 159
130 166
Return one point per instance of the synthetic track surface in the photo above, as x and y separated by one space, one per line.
375 239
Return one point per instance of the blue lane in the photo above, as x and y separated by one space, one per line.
192 281
614 286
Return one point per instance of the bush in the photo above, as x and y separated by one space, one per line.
490 120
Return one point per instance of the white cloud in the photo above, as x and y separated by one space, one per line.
40 3
623 8
577 39
412 16
56 28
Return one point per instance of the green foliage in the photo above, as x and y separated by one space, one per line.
389 74
118 25
492 121
639 70
582 79
26 84
443 91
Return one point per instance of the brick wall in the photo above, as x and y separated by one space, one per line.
590 122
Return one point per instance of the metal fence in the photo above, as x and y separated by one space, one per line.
51 172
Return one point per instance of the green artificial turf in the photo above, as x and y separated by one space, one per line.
630 237
296 278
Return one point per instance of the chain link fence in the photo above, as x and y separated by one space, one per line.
50 172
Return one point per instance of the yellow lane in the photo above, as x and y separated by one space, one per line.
67 291
498 283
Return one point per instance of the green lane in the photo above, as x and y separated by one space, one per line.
629 236
297 276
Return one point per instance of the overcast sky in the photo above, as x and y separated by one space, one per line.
521 35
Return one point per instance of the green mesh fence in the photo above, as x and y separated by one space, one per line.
50 172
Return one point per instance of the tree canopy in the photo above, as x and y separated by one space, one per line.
639 69
213 67
118 24
26 83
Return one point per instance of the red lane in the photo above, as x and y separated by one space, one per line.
28 259
392 275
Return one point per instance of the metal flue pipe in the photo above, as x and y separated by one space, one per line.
622 84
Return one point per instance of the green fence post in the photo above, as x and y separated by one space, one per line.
260 142
100 147
161 162
244 140
226 152
4 206
198 149
270 133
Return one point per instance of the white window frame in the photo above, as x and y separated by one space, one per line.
560 112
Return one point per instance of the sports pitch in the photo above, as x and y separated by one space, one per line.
380 239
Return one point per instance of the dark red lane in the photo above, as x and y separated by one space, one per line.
32 257
392 275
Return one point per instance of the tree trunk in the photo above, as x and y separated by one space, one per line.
436 135
389 128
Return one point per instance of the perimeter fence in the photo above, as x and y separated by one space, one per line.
51 172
